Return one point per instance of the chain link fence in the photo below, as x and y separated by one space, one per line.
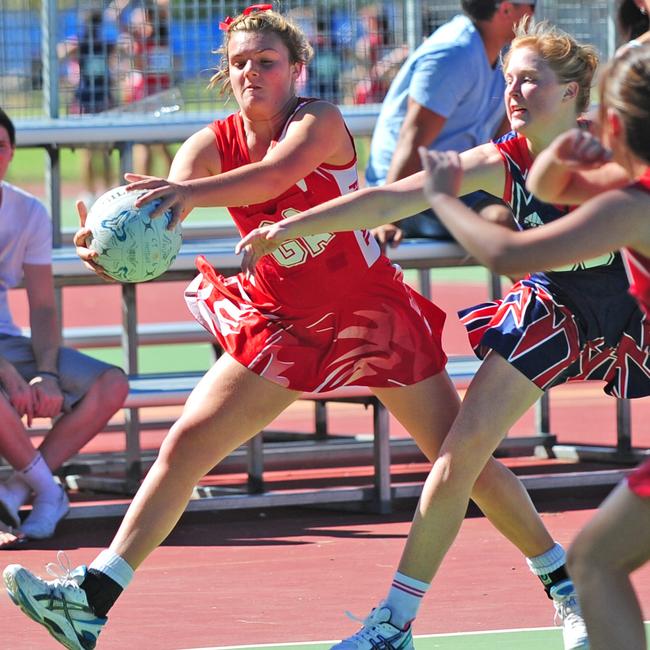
65 58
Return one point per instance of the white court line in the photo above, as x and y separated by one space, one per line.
291 644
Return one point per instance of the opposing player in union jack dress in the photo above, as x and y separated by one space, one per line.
617 540
324 312
539 336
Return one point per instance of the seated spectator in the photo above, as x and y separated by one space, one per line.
38 377
447 95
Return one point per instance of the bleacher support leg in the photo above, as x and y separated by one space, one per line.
320 420
623 426
381 447
255 462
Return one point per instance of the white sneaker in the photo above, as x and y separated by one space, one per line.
46 515
567 610
378 633
8 507
59 605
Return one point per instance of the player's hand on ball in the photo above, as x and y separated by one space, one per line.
260 242
172 196
579 149
444 172
80 240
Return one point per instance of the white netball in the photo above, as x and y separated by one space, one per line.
132 246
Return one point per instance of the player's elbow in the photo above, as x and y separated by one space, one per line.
503 259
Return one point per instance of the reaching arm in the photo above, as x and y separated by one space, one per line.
315 136
574 168
605 223
373 206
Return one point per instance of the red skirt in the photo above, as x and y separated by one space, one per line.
379 333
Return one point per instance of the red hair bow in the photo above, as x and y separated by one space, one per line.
224 25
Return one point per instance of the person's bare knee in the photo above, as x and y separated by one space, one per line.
109 391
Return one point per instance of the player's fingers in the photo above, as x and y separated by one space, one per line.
151 194
425 158
82 211
398 236
134 178
177 213
168 201
242 244
80 238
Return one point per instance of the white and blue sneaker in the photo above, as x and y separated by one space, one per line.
568 612
59 605
378 633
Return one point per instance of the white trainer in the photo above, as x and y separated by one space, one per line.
568 612
46 515
59 605
378 633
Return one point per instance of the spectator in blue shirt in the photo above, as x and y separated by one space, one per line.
448 95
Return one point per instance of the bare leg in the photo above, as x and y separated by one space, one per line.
497 397
427 411
15 445
229 406
612 545
73 430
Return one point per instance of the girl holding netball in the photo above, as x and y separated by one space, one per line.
575 323
323 312
617 540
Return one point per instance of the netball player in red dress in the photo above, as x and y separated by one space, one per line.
617 540
325 311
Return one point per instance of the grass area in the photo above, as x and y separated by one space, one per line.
183 357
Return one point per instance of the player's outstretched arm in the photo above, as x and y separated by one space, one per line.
315 136
605 223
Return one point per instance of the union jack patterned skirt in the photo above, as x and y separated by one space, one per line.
380 333
547 343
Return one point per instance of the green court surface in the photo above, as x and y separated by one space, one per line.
525 639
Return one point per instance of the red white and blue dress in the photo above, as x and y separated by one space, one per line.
575 323
322 311
638 270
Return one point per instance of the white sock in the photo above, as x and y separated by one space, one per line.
114 566
404 598
548 562
38 476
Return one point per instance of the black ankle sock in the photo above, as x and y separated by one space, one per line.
101 591
551 579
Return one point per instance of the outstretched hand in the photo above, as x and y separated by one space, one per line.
172 196
388 235
579 149
444 172
260 242
81 240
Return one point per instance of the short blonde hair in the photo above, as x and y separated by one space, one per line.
300 50
569 60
